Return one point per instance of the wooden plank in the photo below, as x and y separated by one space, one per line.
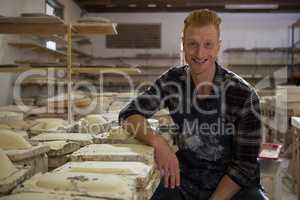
32 20
31 29
105 70
44 25
95 28
77 52
14 69
51 25
37 48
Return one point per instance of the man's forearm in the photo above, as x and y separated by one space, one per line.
226 189
140 128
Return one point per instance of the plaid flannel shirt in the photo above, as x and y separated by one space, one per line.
232 109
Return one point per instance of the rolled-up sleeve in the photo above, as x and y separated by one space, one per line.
148 103
244 166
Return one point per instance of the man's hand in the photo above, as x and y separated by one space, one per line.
165 158
167 163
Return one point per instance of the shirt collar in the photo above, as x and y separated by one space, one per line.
218 77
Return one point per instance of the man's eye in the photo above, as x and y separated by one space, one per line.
193 44
209 45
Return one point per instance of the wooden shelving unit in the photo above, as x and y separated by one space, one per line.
77 52
38 48
43 25
49 26
295 121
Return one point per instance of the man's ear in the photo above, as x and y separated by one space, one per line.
219 44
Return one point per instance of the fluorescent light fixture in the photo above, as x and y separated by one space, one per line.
251 6
152 5
132 5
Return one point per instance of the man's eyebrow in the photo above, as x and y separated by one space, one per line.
190 39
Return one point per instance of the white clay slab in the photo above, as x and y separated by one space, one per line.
116 135
54 162
45 196
147 192
82 139
94 124
58 148
6 116
10 175
35 157
72 183
11 140
18 155
50 125
140 171
115 152
19 124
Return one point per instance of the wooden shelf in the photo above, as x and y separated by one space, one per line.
14 69
61 53
51 25
56 38
43 25
77 52
38 48
81 40
99 69
26 68
95 28
93 70
260 65
258 50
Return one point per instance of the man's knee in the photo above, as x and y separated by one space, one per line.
250 194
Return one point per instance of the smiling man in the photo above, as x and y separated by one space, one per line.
218 116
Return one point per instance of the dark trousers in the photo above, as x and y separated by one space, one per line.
163 193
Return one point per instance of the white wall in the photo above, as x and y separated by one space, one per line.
8 54
71 11
238 30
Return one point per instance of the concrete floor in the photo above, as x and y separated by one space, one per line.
287 194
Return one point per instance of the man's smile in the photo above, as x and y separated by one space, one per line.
200 61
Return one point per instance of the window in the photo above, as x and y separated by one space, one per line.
135 36
54 8
51 45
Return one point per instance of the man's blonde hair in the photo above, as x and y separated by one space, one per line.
202 17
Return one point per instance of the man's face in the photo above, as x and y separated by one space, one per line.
201 46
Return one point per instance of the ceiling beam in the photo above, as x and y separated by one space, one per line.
106 6
281 9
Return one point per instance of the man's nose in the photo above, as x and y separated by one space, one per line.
200 51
